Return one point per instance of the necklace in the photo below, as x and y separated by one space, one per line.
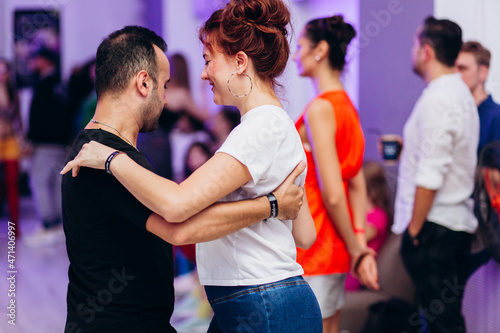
123 136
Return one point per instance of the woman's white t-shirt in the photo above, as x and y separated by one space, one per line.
267 143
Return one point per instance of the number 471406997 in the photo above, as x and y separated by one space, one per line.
11 235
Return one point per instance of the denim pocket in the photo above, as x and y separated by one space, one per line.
234 295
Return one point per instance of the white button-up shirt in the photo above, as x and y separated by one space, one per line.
440 143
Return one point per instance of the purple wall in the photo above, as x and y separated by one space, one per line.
153 11
388 88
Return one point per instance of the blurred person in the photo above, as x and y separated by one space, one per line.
245 49
186 131
378 212
179 90
188 118
121 270
473 63
223 123
197 155
49 133
334 144
11 134
81 94
181 124
433 207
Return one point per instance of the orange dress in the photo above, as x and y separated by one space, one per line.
328 254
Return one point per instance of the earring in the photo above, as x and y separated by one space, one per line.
317 58
251 85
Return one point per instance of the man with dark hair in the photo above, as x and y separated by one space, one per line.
113 71
444 36
436 178
473 63
121 273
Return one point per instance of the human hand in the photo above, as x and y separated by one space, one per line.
390 147
413 229
92 155
367 272
290 196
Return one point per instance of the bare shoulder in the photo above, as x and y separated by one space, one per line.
320 109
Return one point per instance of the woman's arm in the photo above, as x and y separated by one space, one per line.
371 232
221 219
303 229
215 179
321 128
357 198
219 176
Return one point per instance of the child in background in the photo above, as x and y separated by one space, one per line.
378 216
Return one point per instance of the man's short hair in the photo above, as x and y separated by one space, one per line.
123 54
444 36
480 53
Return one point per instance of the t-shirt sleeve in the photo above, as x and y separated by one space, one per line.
252 144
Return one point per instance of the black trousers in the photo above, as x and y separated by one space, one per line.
435 266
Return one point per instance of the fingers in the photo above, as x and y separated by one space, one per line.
73 165
296 172
66 168
75 171
367 272
292 176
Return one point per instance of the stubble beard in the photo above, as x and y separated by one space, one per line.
151 113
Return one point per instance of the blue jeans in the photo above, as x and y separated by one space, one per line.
283 306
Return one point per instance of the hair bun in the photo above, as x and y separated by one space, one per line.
264 15
341 31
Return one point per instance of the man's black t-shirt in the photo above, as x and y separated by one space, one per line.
120 275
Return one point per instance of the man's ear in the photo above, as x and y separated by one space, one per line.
241 62
143 82
483 73
427 51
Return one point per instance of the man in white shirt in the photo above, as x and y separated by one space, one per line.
436 179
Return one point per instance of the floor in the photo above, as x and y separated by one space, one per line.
41 282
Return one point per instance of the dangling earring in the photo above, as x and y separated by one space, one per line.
251 85
317 58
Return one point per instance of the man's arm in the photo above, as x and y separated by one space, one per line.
222 219
421 207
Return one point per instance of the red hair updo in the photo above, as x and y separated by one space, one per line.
256 27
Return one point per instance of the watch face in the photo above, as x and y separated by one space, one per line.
274 204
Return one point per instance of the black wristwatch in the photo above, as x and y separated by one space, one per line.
274 205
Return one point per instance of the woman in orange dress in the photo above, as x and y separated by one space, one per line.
334 143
